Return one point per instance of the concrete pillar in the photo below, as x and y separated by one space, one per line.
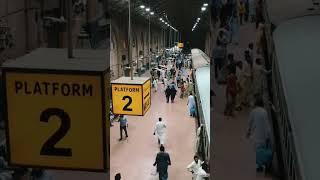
92 9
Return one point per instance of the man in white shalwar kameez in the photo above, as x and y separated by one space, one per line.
202 174
155 85
159 130
259 128
163 74
259 73
198 137
195 166
244 95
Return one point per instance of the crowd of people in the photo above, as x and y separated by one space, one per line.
173 77
244 78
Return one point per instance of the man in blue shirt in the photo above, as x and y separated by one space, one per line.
123 126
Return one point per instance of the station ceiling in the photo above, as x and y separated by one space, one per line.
181 14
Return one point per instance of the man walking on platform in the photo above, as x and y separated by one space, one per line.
260 129
219 55
173 92
167 93
123 126
162 162
160 131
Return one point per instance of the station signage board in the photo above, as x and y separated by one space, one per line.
146 96
56 120
131 98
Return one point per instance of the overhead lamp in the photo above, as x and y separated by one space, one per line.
203 8
142 6
147 9
198 19
160 19
152 13
205 4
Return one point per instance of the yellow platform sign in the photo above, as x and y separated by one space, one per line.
56 120
131 98
146 96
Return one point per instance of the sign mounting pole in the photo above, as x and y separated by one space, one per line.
70 45
149 39
129 41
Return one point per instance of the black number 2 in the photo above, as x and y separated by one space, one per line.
126 107
48 147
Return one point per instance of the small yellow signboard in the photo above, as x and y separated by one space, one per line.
180 45
131 97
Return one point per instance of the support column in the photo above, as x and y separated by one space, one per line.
129 41
69 24
26 11
92 10
149 39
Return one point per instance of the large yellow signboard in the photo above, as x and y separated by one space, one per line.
56 120
131 97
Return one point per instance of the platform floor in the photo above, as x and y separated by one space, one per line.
134 157
234 156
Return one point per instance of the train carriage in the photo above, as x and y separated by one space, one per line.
201 78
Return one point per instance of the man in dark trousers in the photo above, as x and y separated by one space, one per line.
173 92
168 93
162 162
117 177
123 126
